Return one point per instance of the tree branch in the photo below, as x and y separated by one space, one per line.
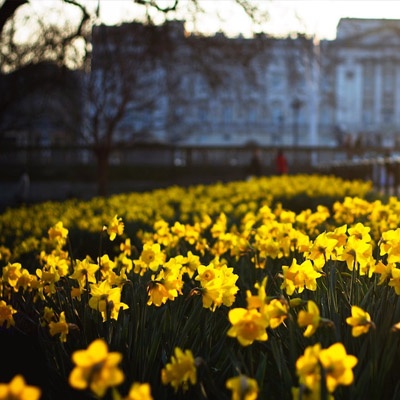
153 3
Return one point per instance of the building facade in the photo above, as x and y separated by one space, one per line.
159 84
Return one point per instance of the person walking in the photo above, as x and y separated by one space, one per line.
255 167
281 163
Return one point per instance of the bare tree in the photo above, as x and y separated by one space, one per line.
125 83
121 88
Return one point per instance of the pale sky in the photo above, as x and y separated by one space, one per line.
319 17
314 17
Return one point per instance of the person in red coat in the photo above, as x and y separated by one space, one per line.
281 163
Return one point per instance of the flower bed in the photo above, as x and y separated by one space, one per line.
218 291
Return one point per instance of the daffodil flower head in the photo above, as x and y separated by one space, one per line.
360 321
276 311
96 368
308 367
84 272
158 293
247 325
106 299
299 277
152 257
259 300
58 233
321 250
181 370
126 247
338 366
61 327
6 314
11 273
17 389
310 319
243 388
116 227
139 391
394 280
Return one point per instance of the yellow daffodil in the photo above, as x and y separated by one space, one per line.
48 316
385 271
180 371
61 327
337 365
308 367
116 227
139 391
394 280
357 254
152 257
192 234
5 253
276 311
219 226
96 369
126 247
247 325
6 314
125 262
58 233
299 277
390 245
321 250
360 321
48 276
106 266
206 273
310 319
218 285
192 262
304 393
56 260
84 272
17 389
158 293
106 299
27 281
162 234
11 273
243 388
360 232
259 300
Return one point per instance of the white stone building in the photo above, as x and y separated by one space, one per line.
365 78
274 92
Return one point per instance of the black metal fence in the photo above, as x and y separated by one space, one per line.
160 155
371 163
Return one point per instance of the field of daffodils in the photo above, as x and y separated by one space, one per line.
272 288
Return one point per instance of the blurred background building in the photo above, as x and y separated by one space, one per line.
272 92
159 84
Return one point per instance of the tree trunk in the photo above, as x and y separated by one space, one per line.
103 158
